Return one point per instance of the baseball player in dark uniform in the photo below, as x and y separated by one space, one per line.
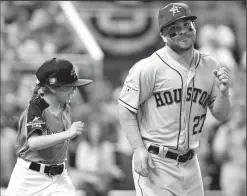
44 133
163 106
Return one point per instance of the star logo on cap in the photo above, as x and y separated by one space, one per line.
175 9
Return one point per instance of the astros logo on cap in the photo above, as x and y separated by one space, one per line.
175 9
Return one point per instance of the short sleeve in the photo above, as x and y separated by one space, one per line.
137 87
35 120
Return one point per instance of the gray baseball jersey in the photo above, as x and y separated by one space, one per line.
171 101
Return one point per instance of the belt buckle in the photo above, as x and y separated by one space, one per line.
177 159
50 172
188 156
54 170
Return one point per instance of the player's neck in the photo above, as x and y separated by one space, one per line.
54 106
187 55
184 57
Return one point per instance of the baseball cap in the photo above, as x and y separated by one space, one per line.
59 72
173 12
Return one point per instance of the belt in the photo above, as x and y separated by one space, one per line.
50 170
154 149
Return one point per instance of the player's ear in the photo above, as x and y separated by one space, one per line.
161 34
164 38
194 25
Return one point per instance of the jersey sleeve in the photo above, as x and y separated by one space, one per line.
215 89
137 87
35 121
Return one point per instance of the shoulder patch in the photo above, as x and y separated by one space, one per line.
36 123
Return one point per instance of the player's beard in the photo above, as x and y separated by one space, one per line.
177 48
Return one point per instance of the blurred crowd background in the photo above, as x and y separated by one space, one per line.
100 159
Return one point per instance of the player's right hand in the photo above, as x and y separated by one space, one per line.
75 129
142 161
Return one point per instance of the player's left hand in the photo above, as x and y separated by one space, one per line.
223 80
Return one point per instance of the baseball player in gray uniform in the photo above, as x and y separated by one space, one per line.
44 132
163 106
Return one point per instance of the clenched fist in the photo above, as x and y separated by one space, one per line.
75 129
223 80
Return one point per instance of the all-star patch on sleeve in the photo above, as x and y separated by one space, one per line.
138 86
35 121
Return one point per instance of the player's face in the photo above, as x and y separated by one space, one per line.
180 35
65 94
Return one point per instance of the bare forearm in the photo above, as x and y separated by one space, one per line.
221 107
130 127
44 141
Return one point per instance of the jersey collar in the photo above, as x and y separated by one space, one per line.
178 60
